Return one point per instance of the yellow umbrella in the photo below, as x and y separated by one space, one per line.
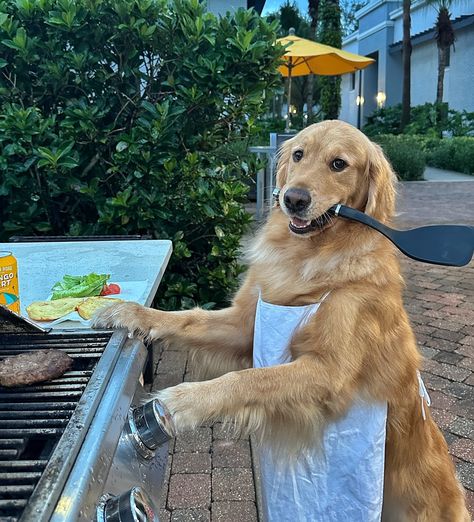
305 57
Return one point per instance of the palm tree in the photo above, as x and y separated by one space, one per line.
313 8
444 39
331 34
406 59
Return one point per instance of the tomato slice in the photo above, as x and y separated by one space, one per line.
111 289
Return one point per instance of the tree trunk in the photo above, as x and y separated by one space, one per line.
309 97
331 34
444 38
313 8
441 68
406 58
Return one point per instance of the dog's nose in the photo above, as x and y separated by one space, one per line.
297 199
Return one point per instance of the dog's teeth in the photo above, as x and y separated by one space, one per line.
300 223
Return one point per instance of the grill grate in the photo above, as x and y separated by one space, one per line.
33 418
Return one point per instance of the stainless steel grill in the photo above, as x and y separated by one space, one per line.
42 426
67 448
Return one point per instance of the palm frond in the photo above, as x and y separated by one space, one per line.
444 28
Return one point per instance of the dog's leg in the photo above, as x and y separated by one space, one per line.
420 481
220 341
287 403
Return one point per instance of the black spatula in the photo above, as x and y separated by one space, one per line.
450 245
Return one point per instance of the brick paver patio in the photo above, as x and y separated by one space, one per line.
440 303
210 476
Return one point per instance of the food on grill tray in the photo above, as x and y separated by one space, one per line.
87 309
32 367
52 310
84 286
111 289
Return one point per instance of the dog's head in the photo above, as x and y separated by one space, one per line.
329 163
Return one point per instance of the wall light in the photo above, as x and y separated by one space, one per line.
381 97
360 100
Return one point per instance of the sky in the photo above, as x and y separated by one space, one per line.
273 5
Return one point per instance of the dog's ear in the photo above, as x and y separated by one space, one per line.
382 185
283 158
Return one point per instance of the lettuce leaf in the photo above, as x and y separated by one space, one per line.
79 286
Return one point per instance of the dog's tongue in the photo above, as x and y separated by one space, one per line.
300 223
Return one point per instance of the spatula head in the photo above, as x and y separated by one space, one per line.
450 245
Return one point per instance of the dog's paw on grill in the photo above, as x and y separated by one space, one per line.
130 316
191 404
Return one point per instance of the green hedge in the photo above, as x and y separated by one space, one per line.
455 154
408 159
409 154
428 119
452 154
122 116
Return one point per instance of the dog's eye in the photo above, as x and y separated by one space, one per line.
297 155
338 164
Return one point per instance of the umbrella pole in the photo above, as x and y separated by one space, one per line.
288 116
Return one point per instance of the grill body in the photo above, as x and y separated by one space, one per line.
64 444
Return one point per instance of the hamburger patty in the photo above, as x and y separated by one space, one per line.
32 367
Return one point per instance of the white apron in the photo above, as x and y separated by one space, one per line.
342 483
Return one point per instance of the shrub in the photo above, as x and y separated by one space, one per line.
448 153
385 120
405 154
425 120
453 154
115 117
264 127
460 123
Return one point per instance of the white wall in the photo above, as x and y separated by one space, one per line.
459 79
459 76
349 108
352 45
424 17
424 73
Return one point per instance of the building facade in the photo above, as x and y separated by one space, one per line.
380 37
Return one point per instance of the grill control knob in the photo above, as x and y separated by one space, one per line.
147 426
133 506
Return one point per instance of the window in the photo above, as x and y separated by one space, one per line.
353 81
448 57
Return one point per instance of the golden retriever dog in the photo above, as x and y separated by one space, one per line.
360 343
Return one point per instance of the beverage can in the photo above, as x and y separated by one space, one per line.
9 290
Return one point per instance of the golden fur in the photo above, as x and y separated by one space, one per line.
359 343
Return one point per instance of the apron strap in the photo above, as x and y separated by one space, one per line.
423 392
324 296
320 301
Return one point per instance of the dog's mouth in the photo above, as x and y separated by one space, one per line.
303 226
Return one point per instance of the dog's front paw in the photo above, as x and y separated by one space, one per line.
122 315
190 404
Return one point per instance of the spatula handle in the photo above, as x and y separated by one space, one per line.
356 215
